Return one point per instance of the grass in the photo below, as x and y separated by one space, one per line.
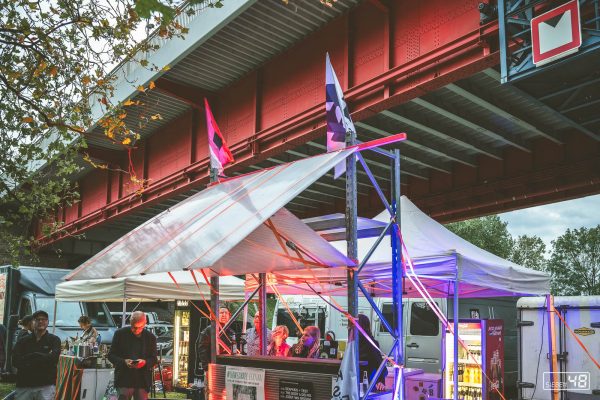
6 388
172 395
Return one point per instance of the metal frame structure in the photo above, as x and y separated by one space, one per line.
354 284
514 18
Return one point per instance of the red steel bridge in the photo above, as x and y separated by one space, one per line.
488 131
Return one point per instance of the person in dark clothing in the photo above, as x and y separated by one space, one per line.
309 345
35 357
133 353
367 352
26 324
205 339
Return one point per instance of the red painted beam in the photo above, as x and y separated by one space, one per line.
187 94
462 57
510 193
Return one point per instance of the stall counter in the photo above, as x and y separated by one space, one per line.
282 376
74 382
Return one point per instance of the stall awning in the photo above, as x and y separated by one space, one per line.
235 227
149 287
439 257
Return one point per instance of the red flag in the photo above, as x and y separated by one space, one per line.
220 155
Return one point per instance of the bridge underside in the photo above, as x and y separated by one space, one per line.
475 146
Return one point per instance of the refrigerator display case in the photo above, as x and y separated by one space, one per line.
484 340
181 345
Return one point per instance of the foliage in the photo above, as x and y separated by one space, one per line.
6 388
575 262
55 59
529 251
489 233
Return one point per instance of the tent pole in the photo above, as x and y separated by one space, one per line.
124 313
214 296
397 275
245 315
455 319
262 306
352 248
54 316
214 303
552 359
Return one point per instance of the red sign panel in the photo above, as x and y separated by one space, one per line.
556 33
494 361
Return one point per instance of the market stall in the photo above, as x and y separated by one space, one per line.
239 226
438 255
235 227
443 262
79 380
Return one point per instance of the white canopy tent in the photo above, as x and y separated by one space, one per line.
150 287
439 257
235 227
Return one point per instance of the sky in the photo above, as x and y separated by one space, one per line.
552 220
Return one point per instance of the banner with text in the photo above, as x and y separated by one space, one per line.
243 383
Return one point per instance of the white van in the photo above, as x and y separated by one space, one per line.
423 333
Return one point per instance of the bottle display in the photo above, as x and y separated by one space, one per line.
181 347
479 355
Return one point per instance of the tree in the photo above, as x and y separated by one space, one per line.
575 262
530 252
489 233
55 62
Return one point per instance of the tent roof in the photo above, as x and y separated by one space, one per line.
157 286
235 227
439 256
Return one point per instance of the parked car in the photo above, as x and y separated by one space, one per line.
162 330
25 290
151 317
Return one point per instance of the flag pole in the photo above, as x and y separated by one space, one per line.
352 248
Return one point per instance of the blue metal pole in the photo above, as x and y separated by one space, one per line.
397 275
377 310
364 261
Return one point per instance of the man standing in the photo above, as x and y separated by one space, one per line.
133 353
205 339
35 356
253 336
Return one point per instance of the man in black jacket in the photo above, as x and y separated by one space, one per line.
36 357
133 353
205 338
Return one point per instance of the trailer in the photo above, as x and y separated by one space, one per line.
577 376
